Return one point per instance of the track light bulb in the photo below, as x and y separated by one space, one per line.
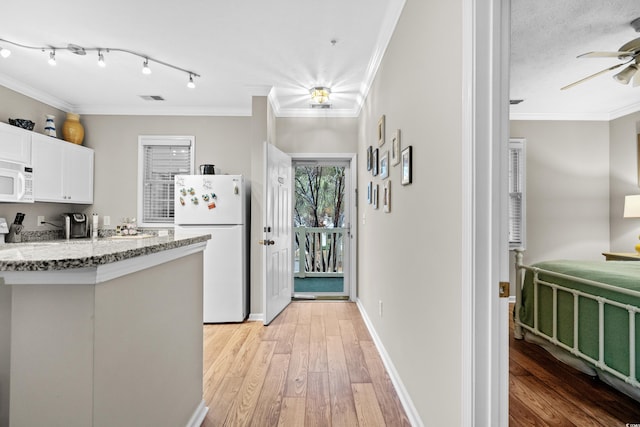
101 62
625 76
145 67
191 84
52 58
4 52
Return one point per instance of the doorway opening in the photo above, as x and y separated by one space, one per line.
322 233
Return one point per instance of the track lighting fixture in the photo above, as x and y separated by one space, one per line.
52 58
145 67
101 62
82 51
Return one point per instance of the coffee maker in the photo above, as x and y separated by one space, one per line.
76 225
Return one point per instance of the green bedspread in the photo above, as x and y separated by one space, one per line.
623 274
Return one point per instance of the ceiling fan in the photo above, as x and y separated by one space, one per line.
629 53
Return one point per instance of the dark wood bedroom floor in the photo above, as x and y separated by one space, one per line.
545 392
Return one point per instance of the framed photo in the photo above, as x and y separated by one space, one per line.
375 196
369 158
384 165
374 166
406 166
395 148
369 192
381 130
386 196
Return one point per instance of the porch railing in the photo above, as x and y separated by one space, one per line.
319 251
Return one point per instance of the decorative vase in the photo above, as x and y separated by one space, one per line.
50 126
72 129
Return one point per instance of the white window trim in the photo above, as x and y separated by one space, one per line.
521 144
144 140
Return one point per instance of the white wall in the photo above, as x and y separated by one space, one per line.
624 180
317 135
410 259
567 187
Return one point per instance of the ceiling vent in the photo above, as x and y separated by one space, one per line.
152 97
321 106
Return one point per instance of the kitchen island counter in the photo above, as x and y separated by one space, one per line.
106 332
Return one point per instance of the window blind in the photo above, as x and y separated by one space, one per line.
516 193
161 163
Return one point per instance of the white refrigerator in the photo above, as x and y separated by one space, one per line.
216 205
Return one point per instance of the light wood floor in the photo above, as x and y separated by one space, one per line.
315 365
546 392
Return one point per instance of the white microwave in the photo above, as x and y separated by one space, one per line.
16 182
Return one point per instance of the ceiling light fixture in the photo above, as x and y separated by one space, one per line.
191 84
101 62
81 51
145 67
625 76
52 58
320 95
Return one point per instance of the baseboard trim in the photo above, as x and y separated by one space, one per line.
403 395
256 317
198 416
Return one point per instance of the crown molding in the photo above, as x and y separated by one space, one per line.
38 95
127 110
596 117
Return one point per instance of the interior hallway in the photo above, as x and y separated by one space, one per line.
316 364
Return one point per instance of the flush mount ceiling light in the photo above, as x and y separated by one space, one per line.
320 95
82 51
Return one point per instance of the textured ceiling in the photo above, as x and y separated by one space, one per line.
546 38
239 47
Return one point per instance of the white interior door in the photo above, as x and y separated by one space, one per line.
278 239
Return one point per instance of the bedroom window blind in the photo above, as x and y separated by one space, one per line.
160 159
517 193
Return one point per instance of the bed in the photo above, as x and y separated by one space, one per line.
586 313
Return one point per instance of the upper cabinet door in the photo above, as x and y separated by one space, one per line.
62 172
15 144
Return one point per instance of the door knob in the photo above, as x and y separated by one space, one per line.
267 242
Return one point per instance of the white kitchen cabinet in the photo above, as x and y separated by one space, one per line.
15 144
62 172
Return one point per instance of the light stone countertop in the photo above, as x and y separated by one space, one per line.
79 253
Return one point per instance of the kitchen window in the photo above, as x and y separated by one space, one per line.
160 159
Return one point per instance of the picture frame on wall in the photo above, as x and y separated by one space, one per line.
375 196
369 192
369 158
407 174
374 166
386 196
381 131
395 148
384 165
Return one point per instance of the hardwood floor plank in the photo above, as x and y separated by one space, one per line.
292 412
304 312
296 384
318 401
342 406
242 408
529 392
214 340
222 401
317 345
331 327
367 407
390 404
267 411
242 361
356 364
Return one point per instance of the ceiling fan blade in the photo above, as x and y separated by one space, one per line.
592 76
606 55
636 80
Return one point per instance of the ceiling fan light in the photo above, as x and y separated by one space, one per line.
4 52
625 76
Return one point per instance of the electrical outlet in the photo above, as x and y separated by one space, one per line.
380 308
40 220
106 220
